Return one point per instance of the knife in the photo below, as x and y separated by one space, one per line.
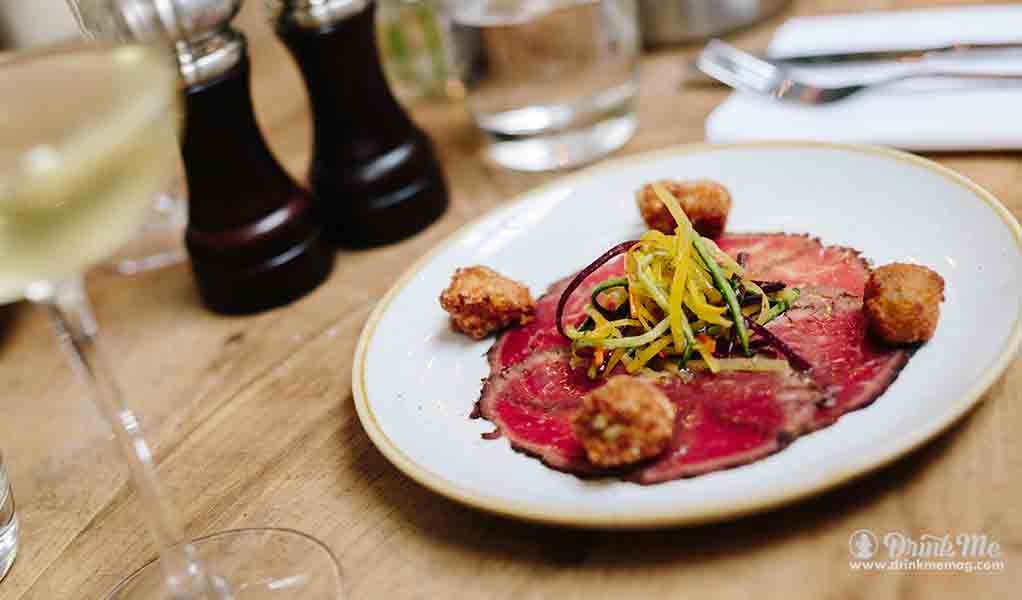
694 76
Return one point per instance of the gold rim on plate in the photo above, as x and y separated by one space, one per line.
520 510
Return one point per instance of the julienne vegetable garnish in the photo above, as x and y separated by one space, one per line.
680 297
583 275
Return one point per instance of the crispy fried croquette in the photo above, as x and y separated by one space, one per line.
624 422
482 301
902 303
706 203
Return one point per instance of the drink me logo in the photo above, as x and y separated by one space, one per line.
863 544
895 551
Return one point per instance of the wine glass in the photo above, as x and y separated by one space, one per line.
158 243
76 180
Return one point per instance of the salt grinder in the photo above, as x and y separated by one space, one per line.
374 176
252 237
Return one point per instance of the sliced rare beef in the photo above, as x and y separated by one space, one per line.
730 419
798 260
533 402
724 420
827 327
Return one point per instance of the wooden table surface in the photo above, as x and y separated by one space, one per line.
253 424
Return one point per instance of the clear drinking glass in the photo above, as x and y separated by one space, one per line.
76 180
551 83
8 523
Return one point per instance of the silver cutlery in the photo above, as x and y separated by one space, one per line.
971 50
749 73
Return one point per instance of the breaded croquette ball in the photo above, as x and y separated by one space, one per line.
623 422
706 203
902 303
482 301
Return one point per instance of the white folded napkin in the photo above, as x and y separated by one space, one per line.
922 114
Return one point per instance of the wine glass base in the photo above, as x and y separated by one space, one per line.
140 264
8 524
8 545
251 564
561 150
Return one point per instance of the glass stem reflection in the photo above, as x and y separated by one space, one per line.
75 327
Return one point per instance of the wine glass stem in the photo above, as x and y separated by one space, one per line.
75 327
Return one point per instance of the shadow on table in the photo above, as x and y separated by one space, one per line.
500 537
8 315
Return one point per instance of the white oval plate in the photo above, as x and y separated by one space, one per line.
415 381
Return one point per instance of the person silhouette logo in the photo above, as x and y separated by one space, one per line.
862 544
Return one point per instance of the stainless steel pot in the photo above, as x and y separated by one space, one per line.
671 21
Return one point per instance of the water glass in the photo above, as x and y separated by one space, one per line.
8 523
551 83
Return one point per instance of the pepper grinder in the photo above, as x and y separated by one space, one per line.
252 237
374 175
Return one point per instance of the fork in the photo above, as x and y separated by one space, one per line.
749 73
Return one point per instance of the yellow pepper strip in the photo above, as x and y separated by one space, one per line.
659 239
745 364
615 358
645 317
633 288
698 273
707 312
650 286
677 333
647 354
598 318
672 205
705 347
637 310
597 361
630 260
764 304
681 262
633 307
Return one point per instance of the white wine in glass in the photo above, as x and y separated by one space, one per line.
158 241
88 138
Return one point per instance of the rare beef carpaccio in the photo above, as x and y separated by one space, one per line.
725 419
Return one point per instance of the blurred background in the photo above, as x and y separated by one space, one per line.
412 37
32 22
